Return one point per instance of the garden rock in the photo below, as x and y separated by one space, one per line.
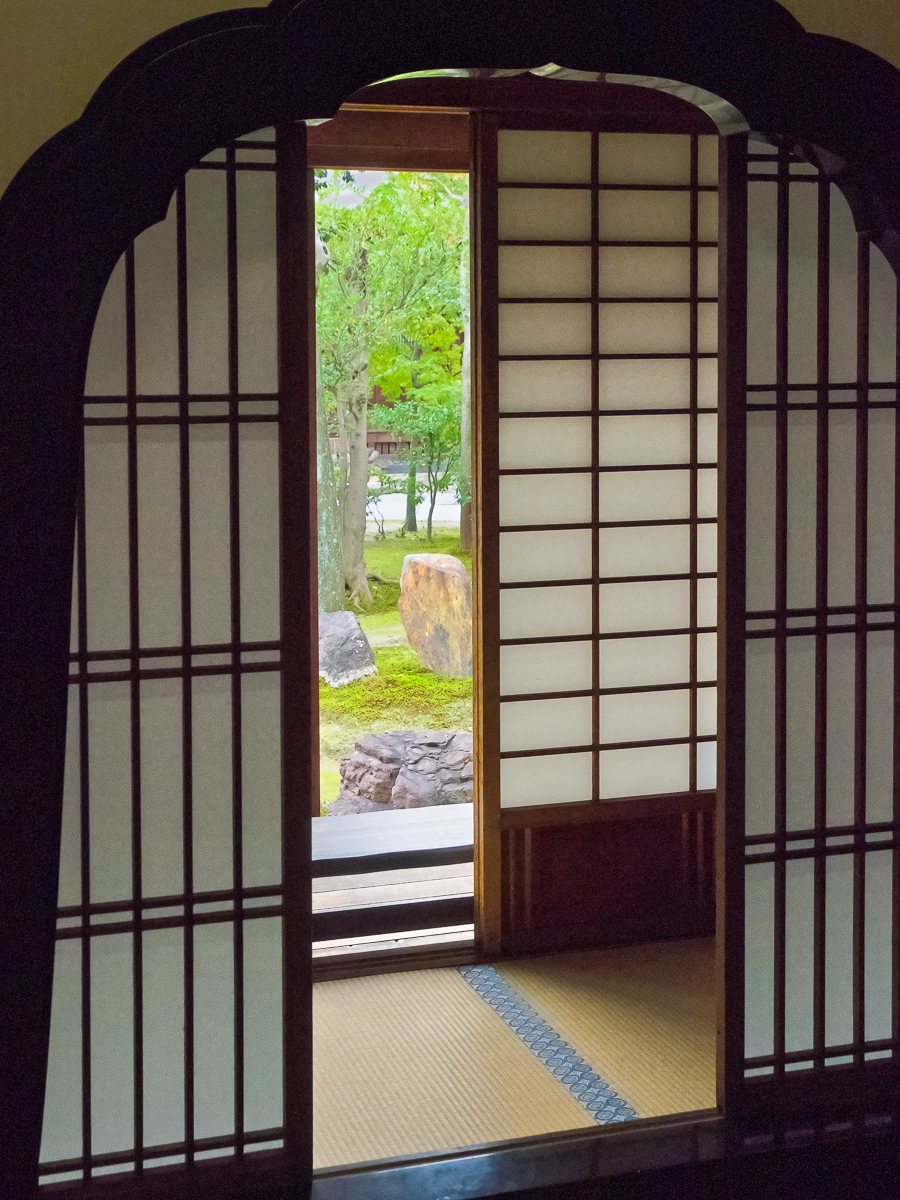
436 609
344 650
407 769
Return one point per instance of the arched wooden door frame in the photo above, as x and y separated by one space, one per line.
77 203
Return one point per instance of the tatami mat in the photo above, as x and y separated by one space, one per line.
418 1061
642 1016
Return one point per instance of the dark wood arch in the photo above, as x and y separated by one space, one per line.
75 205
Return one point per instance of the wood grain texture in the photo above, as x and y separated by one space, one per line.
608 883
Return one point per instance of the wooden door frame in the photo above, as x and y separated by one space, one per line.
422 131
515 839
90 190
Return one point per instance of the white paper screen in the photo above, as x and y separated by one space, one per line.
607 538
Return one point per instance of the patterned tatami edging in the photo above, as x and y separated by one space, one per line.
604 1105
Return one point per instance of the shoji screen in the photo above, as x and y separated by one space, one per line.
606 276
166 1031
821 655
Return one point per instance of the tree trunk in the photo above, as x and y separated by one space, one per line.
434 496
410 523
331 567
352 405
354 524
465 413
465 527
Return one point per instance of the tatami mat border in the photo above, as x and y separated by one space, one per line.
605 1105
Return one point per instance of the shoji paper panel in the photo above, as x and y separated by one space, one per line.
156 308
257 315
106 537
112 1043
163 1057
262 1023
820 664
539 386
214 1000
207 281
607 354
159 535
174 732
62 1119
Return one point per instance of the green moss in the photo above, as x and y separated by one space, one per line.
384 598
403 695
329 786
384 556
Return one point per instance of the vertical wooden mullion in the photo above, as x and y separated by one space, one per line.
731 668
861 638
781 485
84 818
135 705
187 757
486 520
299 626
235 575
694 425
595 463
895 907
821 601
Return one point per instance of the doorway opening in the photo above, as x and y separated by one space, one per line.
580 382
594 245
393 454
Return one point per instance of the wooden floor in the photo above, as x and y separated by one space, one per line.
411 840
406 1063
392 887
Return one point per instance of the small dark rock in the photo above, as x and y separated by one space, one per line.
344 650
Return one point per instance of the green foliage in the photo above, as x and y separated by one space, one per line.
429 415
392 280
433 425
329 786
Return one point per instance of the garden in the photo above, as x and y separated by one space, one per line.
404 694
392 317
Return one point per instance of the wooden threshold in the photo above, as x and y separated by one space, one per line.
383 962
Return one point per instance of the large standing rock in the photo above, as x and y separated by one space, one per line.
436 610
344 650
407 769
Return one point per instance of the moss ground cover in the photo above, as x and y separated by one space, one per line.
404 694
